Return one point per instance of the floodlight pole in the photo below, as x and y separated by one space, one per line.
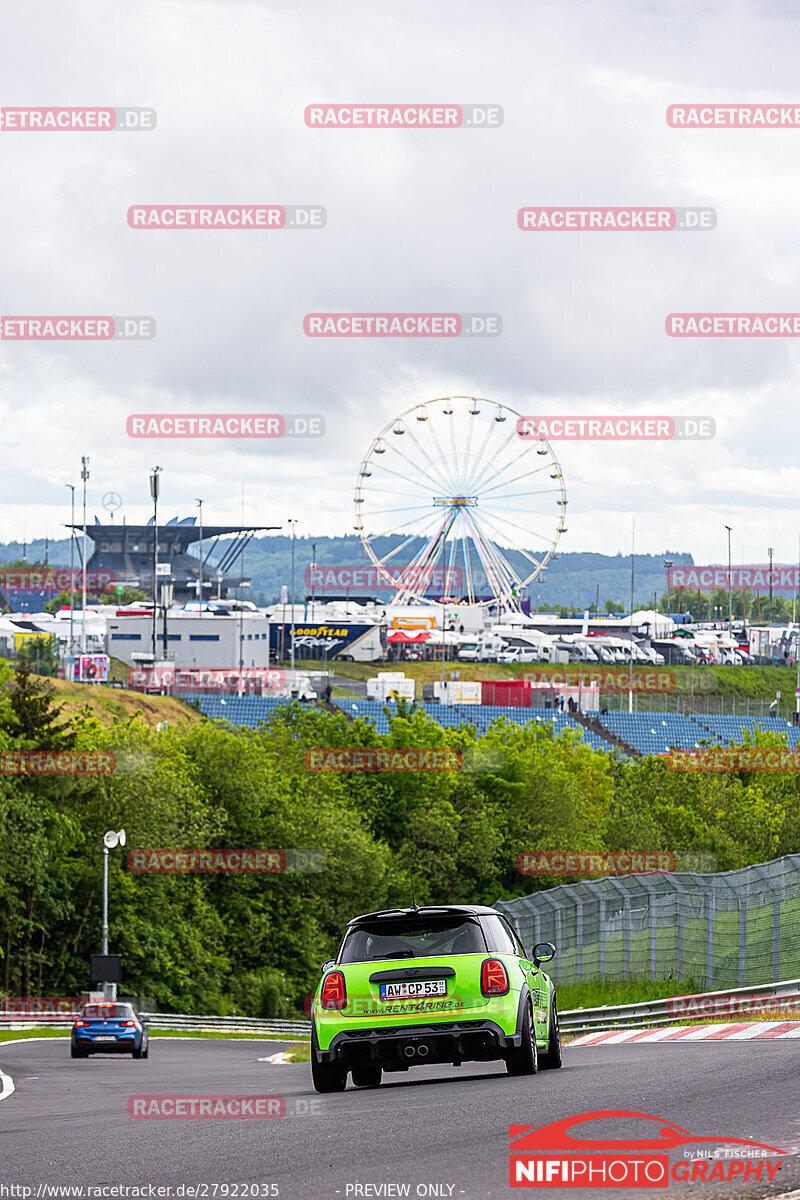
71 486
630 618
668 563
730 592
797 644
154 489
84 477
200 580
105 899
313 574
292 521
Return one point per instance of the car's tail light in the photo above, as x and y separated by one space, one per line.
334 992
494 978
129 1023
79 1024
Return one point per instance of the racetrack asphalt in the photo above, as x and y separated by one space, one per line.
67 1122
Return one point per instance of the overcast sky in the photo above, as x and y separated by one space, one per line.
417 221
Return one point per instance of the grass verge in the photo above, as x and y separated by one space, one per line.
592 993
13 1035
302 1053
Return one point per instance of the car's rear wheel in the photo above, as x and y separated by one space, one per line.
76 1053
553 1058
367 1076
524 1059
326 1077
146 1051
136 1054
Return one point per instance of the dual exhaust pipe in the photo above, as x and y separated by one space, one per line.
420 1051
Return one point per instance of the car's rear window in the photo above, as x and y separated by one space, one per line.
107 1012
412 938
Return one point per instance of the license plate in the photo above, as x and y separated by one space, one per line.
411 990
105 1038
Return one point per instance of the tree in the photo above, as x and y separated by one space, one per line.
40 653
30 714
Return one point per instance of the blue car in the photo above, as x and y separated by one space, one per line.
109 1029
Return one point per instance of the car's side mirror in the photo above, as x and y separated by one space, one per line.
543 952
327 966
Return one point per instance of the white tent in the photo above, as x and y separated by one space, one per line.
653 623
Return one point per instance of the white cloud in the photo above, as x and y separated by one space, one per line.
417 221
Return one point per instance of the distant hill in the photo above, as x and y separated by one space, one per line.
572 580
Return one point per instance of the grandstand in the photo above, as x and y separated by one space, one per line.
252 710
658 733
730 730
239 710
637 734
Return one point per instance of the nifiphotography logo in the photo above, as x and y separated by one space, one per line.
553 1156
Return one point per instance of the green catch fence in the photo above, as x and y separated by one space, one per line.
724 930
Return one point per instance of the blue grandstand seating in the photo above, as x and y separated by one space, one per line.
645 732
239 710
653 733
250 711
658 733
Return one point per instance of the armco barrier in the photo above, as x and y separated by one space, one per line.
735 1003
678 1009
182 1023
267 1027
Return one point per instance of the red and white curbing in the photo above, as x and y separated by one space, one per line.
743 1031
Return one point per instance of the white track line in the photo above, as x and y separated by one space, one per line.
7 1086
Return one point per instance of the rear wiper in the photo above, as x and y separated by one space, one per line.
397 954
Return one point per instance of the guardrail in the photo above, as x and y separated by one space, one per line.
267 1027
735 1003
181 1022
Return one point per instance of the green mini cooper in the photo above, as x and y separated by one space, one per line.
438 984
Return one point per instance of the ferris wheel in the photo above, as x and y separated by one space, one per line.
451 500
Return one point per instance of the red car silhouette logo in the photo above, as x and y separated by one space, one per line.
552 1156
